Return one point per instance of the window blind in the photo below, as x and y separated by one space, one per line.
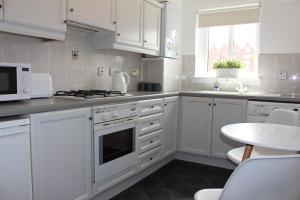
229 16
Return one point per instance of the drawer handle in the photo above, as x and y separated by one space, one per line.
151 158
71 9
151 124
151 142
152 107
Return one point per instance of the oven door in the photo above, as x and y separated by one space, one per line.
114 149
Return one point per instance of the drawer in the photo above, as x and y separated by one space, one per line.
150 107
150 123
149 158
149 141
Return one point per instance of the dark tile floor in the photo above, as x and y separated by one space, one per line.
178 180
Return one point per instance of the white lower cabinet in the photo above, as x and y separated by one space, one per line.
15 164
201 123
61 155
149 140
196 123
226 111
170 126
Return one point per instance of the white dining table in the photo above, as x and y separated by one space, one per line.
274 136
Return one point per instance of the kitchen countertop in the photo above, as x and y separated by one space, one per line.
60 103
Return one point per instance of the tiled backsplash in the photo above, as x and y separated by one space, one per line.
56 58
269 69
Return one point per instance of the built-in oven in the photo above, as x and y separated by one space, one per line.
15 83
115 152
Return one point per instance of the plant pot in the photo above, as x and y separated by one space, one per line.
227 73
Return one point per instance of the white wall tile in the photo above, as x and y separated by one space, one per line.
55 58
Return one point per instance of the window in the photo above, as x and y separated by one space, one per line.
233 42
227 34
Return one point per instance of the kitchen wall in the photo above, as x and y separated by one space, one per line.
270 67
56 58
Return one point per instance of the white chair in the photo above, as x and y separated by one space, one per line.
278 116
273 178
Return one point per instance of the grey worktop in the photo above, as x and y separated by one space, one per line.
60 103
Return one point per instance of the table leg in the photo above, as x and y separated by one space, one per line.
247 152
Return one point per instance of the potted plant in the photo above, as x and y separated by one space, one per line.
227 68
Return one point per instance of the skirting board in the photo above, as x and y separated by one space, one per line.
217 162
108 194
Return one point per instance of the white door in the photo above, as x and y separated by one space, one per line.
278 32
1 9
170 126
226 111
15 165
129 19
46 14
61 155
196 125
152 21
92 12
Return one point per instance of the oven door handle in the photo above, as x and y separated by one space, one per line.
108 125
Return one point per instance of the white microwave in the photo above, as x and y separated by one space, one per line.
15 81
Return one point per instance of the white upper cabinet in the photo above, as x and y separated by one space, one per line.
226 111
95 13
152 23
279 26
170 126
1 9
129 28
40 18
61 155
196 124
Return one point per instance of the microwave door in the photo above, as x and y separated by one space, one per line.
8 81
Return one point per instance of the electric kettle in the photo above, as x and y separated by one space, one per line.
121 81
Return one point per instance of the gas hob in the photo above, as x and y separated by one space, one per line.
88 94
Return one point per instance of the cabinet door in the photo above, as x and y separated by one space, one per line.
46 14
170 126
152 20
196 125
93 13
129 19
278 30
61 155
15 167
226 111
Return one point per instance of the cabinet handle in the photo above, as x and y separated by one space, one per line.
151 142
209 104
152 107
151 158
118 34
166 104
151 123
114 22
71 9
90 118
1 6
145 41
215 104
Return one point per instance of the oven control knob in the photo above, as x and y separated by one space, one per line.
105 116
116 115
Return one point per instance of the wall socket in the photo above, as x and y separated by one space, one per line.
283 75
